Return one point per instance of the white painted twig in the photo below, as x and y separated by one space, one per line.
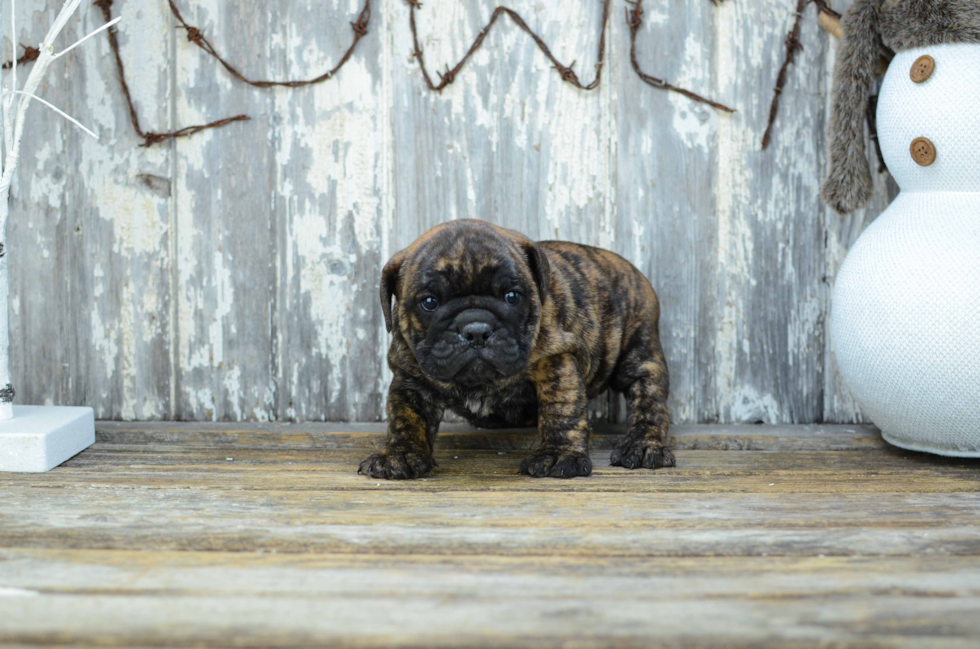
57 110
95 33
14 127
61 20
13 134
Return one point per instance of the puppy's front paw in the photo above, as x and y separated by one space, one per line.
398 463
641 453
556 463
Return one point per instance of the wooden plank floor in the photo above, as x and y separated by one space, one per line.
263 535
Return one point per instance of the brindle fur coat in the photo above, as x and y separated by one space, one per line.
590 324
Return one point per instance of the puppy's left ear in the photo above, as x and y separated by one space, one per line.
540 268
389 285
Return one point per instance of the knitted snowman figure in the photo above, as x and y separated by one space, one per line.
906 303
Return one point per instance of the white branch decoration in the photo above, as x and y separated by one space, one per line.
98 31
14 104
57 110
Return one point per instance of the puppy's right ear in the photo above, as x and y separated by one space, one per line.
540 268
389 285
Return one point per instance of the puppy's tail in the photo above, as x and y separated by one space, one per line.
848 186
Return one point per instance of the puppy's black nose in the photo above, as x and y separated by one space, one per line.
476 333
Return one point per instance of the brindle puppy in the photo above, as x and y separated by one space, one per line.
508 332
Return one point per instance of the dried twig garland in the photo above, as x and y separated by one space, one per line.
830 21
793 45
194 35
30 54
567 73
827 17
360 29
634 18
150 138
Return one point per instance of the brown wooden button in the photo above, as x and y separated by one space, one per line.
922 69
923 151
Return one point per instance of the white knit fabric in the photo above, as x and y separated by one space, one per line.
906 308
943 109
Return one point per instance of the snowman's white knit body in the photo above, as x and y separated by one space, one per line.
906 306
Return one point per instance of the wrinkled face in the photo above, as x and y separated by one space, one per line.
469 305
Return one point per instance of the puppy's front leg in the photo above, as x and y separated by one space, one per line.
413 421
562 421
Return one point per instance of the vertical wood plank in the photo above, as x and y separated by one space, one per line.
665 178
226 220
329 164
769 345
92 271
38 234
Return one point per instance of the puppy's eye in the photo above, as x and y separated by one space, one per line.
429 303
512 298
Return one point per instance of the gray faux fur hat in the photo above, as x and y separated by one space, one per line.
869 27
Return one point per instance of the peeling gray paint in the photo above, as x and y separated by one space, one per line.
233 275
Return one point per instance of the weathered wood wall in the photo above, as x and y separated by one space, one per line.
233 275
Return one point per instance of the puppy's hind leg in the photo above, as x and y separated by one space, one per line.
642 377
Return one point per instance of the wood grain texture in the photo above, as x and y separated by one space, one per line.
232 276
769 344
199 542
666 171
227 242
702 472
461 436
331 176
202 621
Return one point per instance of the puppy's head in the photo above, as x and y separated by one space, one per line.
469 298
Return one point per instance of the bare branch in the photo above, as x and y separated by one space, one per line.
30 54
792 46
194 35
149 137
55 109
634 19
567 73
